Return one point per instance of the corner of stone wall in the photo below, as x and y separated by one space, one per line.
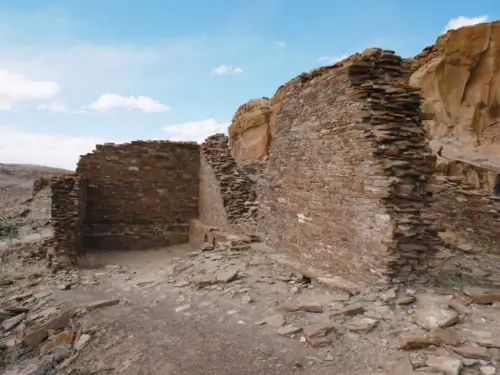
39 184
235 188
68 212
393 119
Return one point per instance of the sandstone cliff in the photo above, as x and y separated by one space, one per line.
459 78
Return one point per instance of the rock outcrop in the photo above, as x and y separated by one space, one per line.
459 78
250 133
253 127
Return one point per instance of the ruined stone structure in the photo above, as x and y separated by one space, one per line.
140 194
39 184
334 170
68 213
227 194
348 171
467 205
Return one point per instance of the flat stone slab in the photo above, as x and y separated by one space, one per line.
363 325
483 296
432 317
448 365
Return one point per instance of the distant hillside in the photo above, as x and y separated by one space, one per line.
16 181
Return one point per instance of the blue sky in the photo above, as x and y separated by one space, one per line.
79 72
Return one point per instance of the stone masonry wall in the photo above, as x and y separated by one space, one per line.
467 206
347 173
141 194
67 215
227 194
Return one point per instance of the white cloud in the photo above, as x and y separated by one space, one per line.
196 131
280 44
56 106
332 60
107 102
53 150
16 88
461 21
224 70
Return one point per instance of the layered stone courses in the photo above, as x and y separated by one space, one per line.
227 192
141 194
67 215
348 171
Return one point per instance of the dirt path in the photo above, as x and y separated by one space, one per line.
163 329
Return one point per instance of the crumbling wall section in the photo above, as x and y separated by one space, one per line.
39 184
348 169
227 193
141 194
69 194
467 206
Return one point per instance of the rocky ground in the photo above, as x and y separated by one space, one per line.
233 309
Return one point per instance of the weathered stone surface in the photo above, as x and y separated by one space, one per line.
482 295
348 161
318 342
141 194
351 310
68 209
201 282
58 322
288 330
418 343
249 132
341 284
311 306
10 323
82 341
459 81
432 317
227 194
473 352
319 329
448 365
103 303
402 366
34 337
227 276
363 325
448 336
488 370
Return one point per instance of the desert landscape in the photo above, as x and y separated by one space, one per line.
347 225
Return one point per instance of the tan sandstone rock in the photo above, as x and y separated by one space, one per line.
249 132
459 78
254 125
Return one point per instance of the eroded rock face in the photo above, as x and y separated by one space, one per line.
459 79
254 125
250 132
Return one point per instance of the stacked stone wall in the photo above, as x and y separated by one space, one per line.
227 193
348 171
67 215
141 194
39 184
